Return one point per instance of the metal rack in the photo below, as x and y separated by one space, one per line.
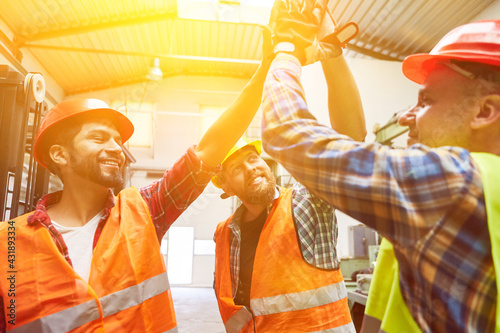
22 180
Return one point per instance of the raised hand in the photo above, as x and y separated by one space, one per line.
296 21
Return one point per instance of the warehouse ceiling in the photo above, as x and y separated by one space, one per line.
88 45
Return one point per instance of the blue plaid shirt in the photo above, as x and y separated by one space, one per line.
428 202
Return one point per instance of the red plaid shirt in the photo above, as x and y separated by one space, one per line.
166 198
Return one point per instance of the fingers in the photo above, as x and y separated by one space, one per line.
277 7
319 11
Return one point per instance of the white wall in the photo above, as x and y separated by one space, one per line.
383 88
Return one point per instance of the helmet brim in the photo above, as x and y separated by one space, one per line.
417 67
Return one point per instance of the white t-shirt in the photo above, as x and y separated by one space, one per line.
79 241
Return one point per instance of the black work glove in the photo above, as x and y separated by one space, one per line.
296 21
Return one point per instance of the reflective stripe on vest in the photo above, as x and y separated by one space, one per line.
134 295
299 301
488 166
348 328
63 321
238 320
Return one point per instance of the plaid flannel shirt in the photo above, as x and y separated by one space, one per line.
316 227
428 202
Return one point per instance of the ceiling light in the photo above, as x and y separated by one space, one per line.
155 74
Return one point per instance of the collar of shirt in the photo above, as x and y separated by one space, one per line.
40 214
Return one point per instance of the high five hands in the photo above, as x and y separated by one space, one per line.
298 22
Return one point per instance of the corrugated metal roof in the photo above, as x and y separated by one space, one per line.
90 45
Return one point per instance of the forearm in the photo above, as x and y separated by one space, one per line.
234 121
291 134
344 102
170 196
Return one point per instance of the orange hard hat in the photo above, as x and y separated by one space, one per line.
242 143
474 42
80 109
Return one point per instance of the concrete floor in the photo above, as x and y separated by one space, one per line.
196 310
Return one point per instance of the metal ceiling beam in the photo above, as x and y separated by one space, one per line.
11 46
128 82
22 39
104 85
19 67
144 54
370 53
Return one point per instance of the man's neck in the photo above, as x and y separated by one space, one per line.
254 210
78 204
485 142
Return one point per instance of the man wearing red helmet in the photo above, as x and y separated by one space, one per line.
433 201
86 260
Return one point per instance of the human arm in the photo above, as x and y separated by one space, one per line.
233 122
168 197
344 102
401 193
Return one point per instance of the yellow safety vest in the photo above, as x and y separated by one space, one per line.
387 310
489 165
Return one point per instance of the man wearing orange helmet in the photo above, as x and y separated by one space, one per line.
86 260
434 201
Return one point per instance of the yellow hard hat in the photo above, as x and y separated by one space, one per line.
242 142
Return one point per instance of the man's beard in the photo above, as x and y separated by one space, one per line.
262 194
91 170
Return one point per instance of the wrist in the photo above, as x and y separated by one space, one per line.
289 48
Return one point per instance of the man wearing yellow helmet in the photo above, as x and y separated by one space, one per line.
276 262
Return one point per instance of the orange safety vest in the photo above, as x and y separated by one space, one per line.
128 289
287 294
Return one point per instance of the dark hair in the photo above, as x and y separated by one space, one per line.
482 71
61 134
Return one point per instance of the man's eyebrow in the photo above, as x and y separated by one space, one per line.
105 132
424 91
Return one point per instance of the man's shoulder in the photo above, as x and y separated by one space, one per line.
15 222
302 196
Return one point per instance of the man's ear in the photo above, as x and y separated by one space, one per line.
58 154
489 112
227 189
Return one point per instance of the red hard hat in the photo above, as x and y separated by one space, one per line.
474 42
78 108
